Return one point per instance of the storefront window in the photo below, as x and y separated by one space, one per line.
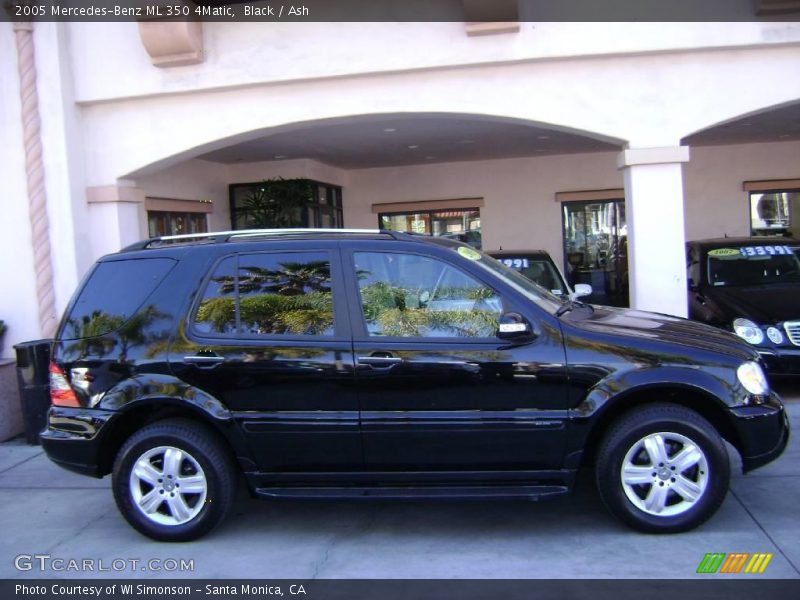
596 249
775 213
162 223
285 203
458 224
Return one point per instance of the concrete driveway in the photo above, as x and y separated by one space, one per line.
46 510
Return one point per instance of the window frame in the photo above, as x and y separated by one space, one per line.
339 315
764 190
358 321
170 215
333 192
429 212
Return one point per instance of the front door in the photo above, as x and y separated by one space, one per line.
269 338
438 391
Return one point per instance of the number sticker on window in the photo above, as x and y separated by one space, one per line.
516 263
756 251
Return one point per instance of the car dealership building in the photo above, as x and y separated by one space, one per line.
607 144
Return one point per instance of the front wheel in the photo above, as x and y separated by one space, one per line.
173 480
663 469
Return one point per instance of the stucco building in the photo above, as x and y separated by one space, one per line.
607 145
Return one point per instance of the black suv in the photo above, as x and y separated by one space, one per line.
750 286
352 364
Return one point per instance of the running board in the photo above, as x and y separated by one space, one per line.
529 492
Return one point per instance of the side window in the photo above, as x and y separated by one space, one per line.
408 295
217 310
286 293
115 291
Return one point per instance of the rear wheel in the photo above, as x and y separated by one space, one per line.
663 469
173 480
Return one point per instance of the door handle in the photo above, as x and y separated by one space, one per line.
379 361
204 361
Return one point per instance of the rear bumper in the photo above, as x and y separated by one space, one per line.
781 361
763 432
72 439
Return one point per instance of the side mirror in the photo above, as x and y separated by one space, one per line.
582 289
513 327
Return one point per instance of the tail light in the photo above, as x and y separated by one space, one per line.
61 393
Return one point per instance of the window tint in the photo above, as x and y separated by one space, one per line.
113 294
268 294
217 310
408 295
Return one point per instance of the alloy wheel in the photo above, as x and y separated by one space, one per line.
168 485
664 474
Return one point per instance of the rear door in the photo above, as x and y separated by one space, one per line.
269 336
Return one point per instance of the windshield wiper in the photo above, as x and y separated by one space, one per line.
570 304
567 306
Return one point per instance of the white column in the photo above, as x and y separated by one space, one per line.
116 216
656 238
35 176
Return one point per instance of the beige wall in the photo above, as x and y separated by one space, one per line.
715 202
519 210
193 180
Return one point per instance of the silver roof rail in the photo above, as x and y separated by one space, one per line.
224 236
266 232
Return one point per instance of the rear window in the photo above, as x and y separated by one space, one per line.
113 293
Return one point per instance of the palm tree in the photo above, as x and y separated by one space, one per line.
277 203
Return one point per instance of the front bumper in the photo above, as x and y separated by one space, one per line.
762 431
781 361
73 439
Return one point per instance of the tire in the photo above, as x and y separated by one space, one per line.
149 470
678 496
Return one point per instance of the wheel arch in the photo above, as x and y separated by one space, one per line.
692 397
137 414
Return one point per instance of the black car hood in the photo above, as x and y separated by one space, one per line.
764 305
657 327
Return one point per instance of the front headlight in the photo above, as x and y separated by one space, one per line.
775 336
752 377
748 331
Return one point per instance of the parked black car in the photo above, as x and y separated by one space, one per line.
538 266
750 286
352 364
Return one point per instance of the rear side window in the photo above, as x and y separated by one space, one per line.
251 295
113 294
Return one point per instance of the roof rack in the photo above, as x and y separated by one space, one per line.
227 236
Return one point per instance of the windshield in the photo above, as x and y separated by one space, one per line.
752 265
538 270
531 290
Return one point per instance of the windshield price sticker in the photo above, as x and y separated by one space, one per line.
516 263
750 252
469 253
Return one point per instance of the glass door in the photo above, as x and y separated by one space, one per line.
596 249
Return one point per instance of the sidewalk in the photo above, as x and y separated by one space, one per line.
47 510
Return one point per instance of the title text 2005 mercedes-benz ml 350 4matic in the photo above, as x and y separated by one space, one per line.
353 364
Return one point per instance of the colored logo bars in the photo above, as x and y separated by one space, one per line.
736 562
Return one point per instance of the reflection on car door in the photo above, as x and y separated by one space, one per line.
269 338
437 389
